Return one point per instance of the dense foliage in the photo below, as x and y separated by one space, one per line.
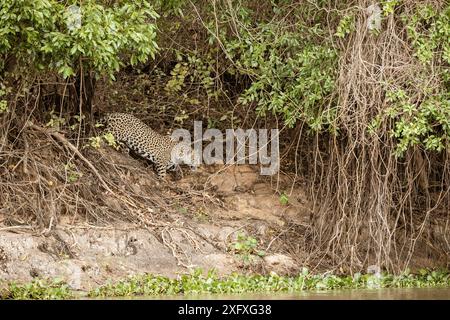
292 63
293 66
50 35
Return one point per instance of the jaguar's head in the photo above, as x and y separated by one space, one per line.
182 153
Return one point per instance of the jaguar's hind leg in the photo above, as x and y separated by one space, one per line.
177 171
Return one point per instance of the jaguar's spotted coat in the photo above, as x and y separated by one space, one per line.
146 142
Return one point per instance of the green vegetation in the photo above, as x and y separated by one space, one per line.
37 289
45 34
197 283
291 74
292 65
3 103
246 248
284 199
422 122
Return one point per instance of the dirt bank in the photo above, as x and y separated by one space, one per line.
241 229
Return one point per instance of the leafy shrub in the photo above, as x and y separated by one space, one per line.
425 121
292 76
41 33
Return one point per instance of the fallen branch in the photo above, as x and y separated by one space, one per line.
71 147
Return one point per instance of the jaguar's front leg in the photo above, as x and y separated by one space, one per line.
161 172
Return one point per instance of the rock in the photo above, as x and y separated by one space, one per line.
245 206
238 178
222 263
280 264
104 255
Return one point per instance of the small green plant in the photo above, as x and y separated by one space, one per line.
99 125
38 289
110 140
95 142
193 69
56 122
346 26
78 120
3 103
179 118
178 74
389 6
246 248
284 199
201 215
3 106
182 210
73 175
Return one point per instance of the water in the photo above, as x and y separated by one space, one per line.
356 294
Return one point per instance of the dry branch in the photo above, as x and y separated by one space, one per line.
71 147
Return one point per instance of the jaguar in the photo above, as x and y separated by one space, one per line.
163 151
